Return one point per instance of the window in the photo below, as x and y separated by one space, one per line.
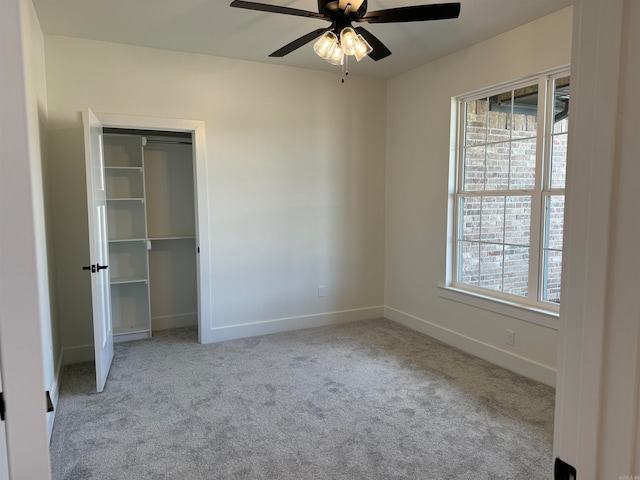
509 194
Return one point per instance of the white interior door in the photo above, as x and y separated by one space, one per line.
98 247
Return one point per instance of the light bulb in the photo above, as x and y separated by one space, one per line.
324 46
362 48
348 40
337 56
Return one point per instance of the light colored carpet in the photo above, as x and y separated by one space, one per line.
366 400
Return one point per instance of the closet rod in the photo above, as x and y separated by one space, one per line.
169 142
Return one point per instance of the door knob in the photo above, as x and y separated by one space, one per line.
102 267
90 267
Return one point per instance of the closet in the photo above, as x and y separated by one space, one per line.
151 223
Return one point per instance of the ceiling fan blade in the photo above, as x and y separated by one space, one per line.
290 47
379 50
263 7
416 13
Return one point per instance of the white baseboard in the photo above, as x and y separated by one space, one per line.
54 393
85 353
231 332
174 321
521 365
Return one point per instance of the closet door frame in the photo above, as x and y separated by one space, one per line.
203 263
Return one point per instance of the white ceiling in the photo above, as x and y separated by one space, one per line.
211 27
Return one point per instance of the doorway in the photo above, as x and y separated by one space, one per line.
151 224
177 133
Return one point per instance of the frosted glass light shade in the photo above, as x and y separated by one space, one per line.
348 40
362 48
325 44
337 56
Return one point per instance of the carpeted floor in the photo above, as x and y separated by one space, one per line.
366 400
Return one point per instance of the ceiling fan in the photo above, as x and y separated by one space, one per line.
341 39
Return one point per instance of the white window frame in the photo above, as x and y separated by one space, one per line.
531 308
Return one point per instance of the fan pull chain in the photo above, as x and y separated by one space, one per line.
345 68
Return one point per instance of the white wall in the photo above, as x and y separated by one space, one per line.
25 331
294 201
417 174
37 98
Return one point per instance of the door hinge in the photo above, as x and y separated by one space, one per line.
2 407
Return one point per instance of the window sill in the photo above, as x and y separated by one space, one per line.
526 313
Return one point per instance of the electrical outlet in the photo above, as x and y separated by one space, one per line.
321 291
511 338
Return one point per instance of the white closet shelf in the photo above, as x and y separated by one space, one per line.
116 167
175 237
125 199
113 240
128 329
121 280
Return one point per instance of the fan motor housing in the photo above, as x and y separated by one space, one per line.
331 12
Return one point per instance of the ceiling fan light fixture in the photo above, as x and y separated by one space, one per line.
362 48
341 40
337 56
325 45
348 40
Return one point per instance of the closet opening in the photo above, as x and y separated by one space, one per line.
152 206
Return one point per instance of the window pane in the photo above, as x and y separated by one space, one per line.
499 120
516 270
469 254
523 165
497 171
554 222
559 160
561 105
552 274
471 218
492 226
491 266
474 168
525 112
476 122
517 220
